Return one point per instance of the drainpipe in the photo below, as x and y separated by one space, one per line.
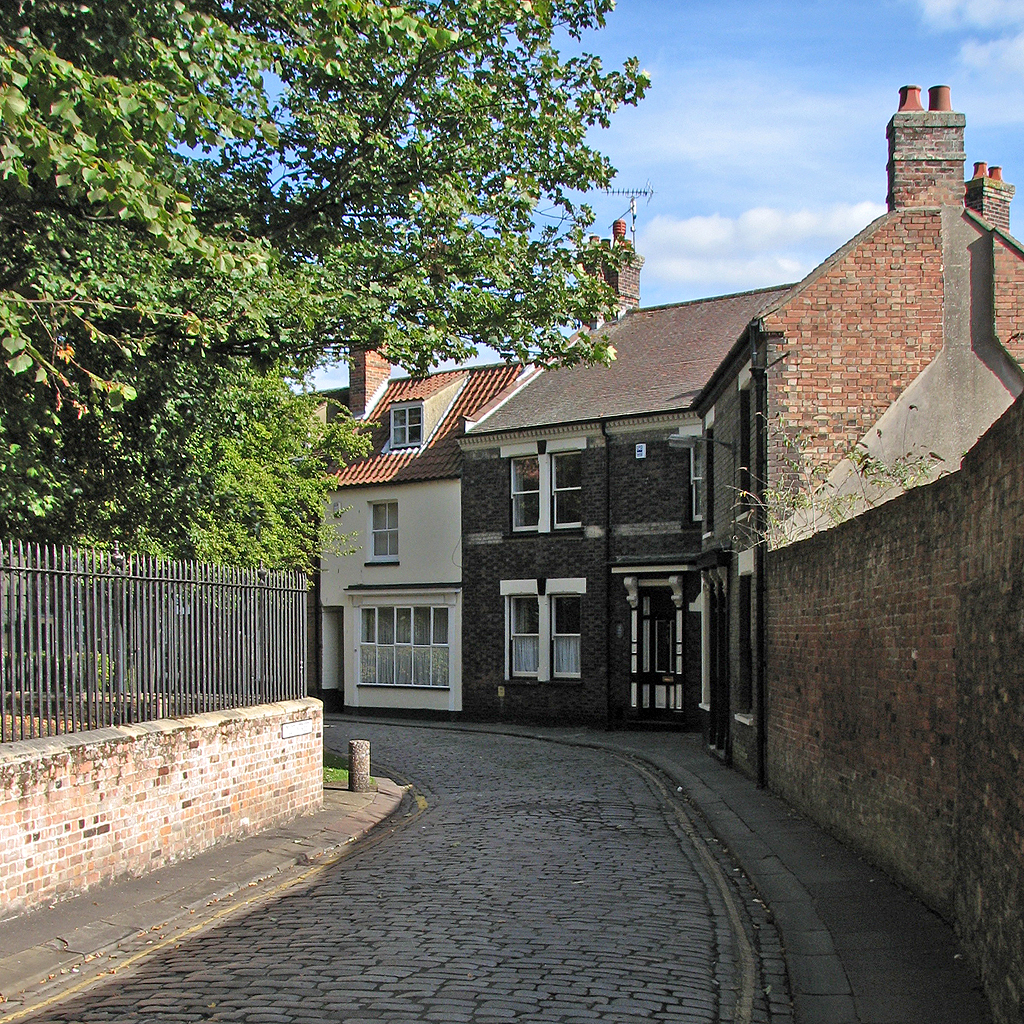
759 377
607 577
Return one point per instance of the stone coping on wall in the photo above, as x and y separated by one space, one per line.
88 808
43 746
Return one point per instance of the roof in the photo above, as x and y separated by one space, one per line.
440 458
664 357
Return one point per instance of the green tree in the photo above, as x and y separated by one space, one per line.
197 194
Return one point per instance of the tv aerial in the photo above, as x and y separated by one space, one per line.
633 195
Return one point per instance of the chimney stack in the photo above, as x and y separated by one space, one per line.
626 280
989 196
926 151
368 370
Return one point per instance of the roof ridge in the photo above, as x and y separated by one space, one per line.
715 298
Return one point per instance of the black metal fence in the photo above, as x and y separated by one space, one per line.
90 639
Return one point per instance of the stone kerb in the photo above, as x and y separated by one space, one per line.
87 808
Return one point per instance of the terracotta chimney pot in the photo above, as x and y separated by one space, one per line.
995 173
938 98
619 229
910 98
980 167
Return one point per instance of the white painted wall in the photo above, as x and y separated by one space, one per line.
429 552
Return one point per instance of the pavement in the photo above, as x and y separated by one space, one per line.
859 948
110 923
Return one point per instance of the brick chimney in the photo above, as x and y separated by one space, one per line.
625 281
926 151
368 370
989 196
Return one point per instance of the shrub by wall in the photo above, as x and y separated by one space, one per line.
92 807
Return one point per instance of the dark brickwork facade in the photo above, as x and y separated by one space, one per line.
895 714
636 511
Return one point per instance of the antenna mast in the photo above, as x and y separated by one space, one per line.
633 194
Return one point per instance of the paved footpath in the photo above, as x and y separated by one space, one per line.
525 885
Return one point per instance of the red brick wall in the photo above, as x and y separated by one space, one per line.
990 702
83 809
895 710
855 338
862 718
1009 297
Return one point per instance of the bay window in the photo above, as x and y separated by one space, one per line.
404 646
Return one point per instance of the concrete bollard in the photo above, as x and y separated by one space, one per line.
359 766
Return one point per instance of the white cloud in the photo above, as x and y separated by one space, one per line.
1001 55
984 14
760 246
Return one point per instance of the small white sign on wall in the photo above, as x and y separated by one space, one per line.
291 729
641 451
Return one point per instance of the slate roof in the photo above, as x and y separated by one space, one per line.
440 458
664 357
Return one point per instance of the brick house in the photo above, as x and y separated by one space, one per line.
582 525
905 342
389 617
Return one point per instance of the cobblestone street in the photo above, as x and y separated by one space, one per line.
540 883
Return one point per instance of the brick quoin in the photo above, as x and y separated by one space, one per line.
94 807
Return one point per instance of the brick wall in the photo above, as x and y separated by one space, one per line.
79 810
861 715
855 338
491 553
1009 297
895 718
989 866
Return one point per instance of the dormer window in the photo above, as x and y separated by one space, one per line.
407 426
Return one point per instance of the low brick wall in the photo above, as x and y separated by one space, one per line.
88 808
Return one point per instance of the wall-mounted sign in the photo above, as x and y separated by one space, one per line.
641 451
291 729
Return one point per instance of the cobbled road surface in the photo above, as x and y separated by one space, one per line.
534 882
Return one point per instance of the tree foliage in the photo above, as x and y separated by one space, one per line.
199 197
283 178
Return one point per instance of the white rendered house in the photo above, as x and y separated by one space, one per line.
390 634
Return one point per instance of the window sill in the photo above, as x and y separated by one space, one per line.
398 686
533 681
744 719
704 707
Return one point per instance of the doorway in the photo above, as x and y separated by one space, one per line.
657 689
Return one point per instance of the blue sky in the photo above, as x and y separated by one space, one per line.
763 132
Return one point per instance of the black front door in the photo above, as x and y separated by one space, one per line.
658 689
719 666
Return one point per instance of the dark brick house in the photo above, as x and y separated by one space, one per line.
582 525
904 343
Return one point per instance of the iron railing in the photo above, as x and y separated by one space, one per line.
90 639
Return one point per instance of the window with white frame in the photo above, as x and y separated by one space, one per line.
404 646
526 493
567 489
525 636
543 628
407 426
565 635
546 484
384 531
697 482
